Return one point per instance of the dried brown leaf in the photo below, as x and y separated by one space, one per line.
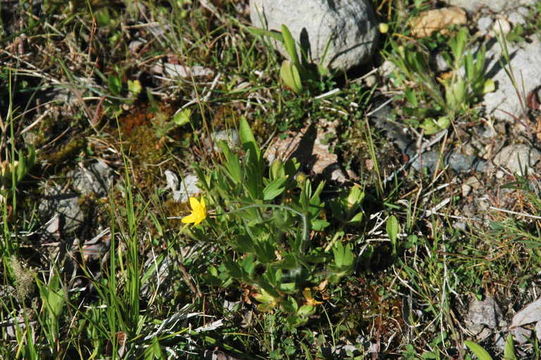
430 21
309 148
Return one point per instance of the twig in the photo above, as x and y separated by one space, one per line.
515 213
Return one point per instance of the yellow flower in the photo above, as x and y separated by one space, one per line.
199 212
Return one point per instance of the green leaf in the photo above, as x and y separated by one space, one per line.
103 18
478 350
411 96
355 197
343 256
248 264
277 169
234 270
289 44
232 163
469 66
247 137
182 117
274 188
344 260
509 350
306 310
134 87
393 228
290 76
31 157
432 126
244 244
319 224
115 84
20 169
265 251
263 32
288 287
289 262
357 218
265 298
154 351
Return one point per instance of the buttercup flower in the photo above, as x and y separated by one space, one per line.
199 212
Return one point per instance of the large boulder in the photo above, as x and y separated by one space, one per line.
339 34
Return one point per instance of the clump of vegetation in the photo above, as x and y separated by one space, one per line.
434 101
273 220
263 260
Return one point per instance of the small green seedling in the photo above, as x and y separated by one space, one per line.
393 228
296 72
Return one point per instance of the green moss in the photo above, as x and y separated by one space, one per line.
66 152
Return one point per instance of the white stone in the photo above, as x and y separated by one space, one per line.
508 100
339 34
466 189
441 63
493 5
484 24
518 158
182 190
500 26
518 16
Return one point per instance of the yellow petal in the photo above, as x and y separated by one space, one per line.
199 212
203 205
198 218
192 218
194 203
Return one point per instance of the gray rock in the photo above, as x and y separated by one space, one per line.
518 158
186 72
493 5
455 161
396 133
96 179
538 330
162 271
386 69
339 34
483 317
96 248
484 24
521 335
518 16
508 101
57 202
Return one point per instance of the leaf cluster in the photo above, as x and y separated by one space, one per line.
271 221
437 101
